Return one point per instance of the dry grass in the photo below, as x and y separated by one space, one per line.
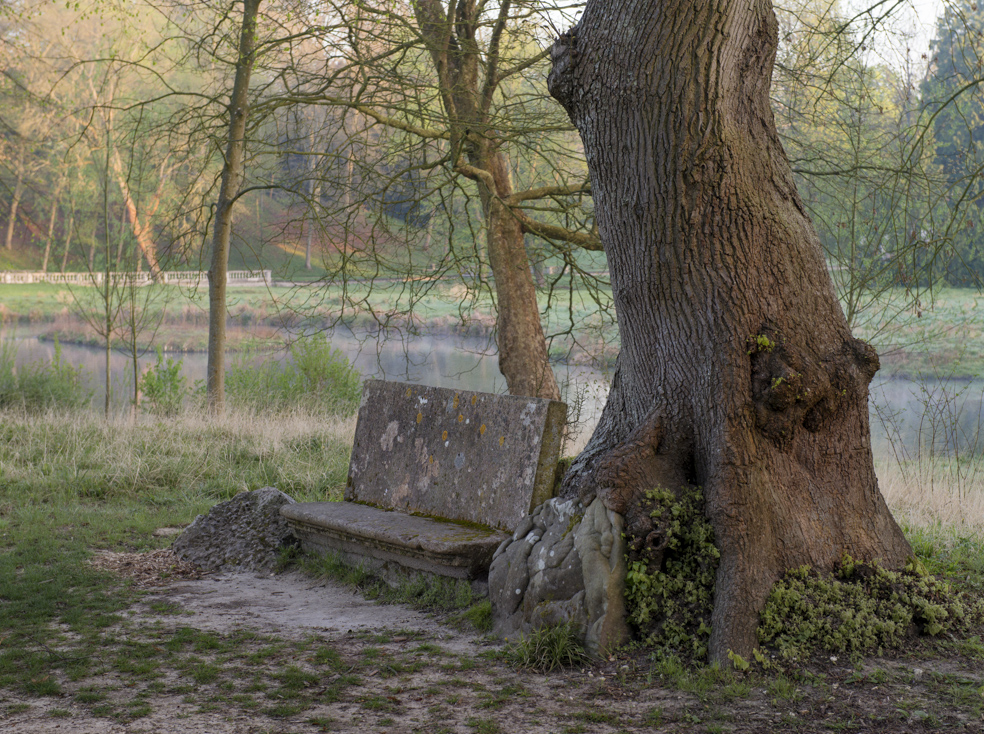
199 458
192 455
934 495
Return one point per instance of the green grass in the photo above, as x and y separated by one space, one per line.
958 558
442 307
547 649
945 335
109 485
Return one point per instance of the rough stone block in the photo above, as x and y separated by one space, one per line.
246 532
564 565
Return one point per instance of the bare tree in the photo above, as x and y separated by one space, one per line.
443 100
232 177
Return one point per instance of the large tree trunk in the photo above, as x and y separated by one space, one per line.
232 176
738 372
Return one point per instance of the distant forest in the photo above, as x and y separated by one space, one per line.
360 155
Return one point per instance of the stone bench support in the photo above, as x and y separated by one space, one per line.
381 538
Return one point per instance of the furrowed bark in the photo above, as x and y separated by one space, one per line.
738 371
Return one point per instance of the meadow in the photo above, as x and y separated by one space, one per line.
74 484
78 642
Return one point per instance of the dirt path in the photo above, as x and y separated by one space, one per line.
383 645
294 605
237 653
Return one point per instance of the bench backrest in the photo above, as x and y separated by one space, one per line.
454 454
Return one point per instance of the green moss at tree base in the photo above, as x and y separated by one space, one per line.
861 608
670 579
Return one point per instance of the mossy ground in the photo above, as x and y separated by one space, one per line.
670 582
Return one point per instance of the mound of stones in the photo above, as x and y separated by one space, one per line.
245 533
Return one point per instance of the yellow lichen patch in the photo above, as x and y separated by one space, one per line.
474 399
481 431
460 417
420 417
502 440
455 401
431 460
409 392
444 436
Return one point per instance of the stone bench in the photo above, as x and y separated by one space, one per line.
437 480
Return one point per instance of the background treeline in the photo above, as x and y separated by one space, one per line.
883 137
113 116
112 139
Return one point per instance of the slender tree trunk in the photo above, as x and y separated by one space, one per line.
51 227
107 286
14 205
738 371
68 236
141 227
452 34
314 192
429 234
92 247
232 177
523 358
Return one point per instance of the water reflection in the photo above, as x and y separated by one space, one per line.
909 419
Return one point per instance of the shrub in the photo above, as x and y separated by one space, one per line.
316 377
163 386
861 608
42 384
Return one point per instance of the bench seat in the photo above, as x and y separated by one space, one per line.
380 538
478 462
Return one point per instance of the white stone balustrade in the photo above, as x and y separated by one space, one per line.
175 277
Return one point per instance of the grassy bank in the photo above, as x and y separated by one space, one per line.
74 484
178 317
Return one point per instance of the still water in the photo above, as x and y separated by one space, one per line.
908 418
465 363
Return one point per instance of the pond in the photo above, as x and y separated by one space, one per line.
909 418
